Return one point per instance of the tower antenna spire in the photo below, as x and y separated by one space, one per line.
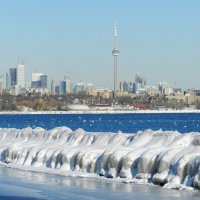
115 53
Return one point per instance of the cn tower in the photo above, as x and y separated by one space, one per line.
115 53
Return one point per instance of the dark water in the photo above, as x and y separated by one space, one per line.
128 123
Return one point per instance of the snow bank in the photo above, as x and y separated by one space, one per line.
85 110
169 159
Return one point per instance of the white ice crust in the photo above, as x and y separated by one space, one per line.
120 111
169 159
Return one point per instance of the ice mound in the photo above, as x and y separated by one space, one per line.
169 159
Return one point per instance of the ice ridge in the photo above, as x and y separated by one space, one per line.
169 158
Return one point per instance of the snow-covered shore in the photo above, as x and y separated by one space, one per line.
98 112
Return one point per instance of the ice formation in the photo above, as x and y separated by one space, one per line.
169 159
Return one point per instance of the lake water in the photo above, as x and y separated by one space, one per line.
128 123
16 184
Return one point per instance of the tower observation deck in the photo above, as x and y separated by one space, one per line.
115 53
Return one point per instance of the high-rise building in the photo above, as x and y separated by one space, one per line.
57 89
43 81
68 84
35 80
165 88
8 81
35 84
62 87
115 53
79 87
124 86
20 75
53 85
39 80
36 76
134 88
13 76
140 83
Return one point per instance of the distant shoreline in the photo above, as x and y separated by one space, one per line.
100 112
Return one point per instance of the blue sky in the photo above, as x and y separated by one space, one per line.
160 39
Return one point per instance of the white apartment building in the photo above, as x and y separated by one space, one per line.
20 75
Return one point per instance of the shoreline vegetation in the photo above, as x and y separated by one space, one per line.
101 112
30 103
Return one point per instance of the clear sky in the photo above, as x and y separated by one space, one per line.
160 39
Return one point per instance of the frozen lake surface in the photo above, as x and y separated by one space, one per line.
20 185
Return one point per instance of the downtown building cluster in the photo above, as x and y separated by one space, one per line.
15 80
16 84
139 86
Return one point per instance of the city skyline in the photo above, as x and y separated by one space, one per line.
15 84
159 40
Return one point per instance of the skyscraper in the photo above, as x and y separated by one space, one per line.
20 75
115 53
68 84
62 87
43 81
13 76
140 82
8 81
79 87
39 80
36 80
53 85
36 76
